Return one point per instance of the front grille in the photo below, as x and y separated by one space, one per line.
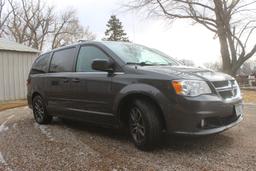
227 89
219 84
228 94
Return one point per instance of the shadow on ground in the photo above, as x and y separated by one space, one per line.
172 142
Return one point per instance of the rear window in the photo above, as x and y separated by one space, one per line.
62 60
41 65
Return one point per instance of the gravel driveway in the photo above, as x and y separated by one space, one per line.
25 145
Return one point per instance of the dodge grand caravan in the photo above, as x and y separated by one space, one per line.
124 84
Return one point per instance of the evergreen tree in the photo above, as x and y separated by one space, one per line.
115 30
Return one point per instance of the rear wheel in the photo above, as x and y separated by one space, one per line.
144 124
40 113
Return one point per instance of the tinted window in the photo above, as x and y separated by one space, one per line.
62 61
41 64
86 56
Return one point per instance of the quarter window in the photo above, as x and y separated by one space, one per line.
86 56
41 64
62 61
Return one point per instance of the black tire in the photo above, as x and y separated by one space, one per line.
40 113
149 123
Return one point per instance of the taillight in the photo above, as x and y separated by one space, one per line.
28 81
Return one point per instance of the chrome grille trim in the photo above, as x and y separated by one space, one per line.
228 89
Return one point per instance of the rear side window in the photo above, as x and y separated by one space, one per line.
86 56
41 64
62 61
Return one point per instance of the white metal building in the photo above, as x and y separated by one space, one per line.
15 62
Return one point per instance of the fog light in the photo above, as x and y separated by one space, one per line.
202 123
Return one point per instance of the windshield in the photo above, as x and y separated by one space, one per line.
137 54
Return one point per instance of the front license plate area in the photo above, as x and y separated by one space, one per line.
238 109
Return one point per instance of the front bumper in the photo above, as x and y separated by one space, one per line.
185 117
213 130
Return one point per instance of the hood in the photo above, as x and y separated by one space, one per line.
185 72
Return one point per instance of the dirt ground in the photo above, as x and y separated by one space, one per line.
12 104
68 145
249 96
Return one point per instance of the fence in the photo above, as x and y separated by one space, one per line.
246 81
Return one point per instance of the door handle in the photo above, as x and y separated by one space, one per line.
65 81
75 80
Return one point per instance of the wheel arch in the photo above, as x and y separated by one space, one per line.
35 94
145 92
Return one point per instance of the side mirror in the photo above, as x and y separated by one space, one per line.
102 65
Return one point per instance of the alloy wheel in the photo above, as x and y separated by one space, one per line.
39 110
137 127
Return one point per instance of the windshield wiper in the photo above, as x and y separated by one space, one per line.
139 63
147 64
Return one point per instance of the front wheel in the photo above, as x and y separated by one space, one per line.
144 124
40 113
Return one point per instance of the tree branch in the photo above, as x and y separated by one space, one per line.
189 2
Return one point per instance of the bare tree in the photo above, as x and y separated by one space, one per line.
39 20
4 14
233 21
187 62
31 22
16 27
68 30
247 68
216 66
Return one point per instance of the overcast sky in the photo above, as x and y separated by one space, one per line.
180 39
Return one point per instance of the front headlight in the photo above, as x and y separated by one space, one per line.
191 87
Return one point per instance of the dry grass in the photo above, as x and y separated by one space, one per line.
12 104
249 96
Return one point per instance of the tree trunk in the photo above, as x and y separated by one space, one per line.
225 55
221 31
236 67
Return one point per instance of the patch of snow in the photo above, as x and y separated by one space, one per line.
10 117
2 161
3 127
14 125
44 130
